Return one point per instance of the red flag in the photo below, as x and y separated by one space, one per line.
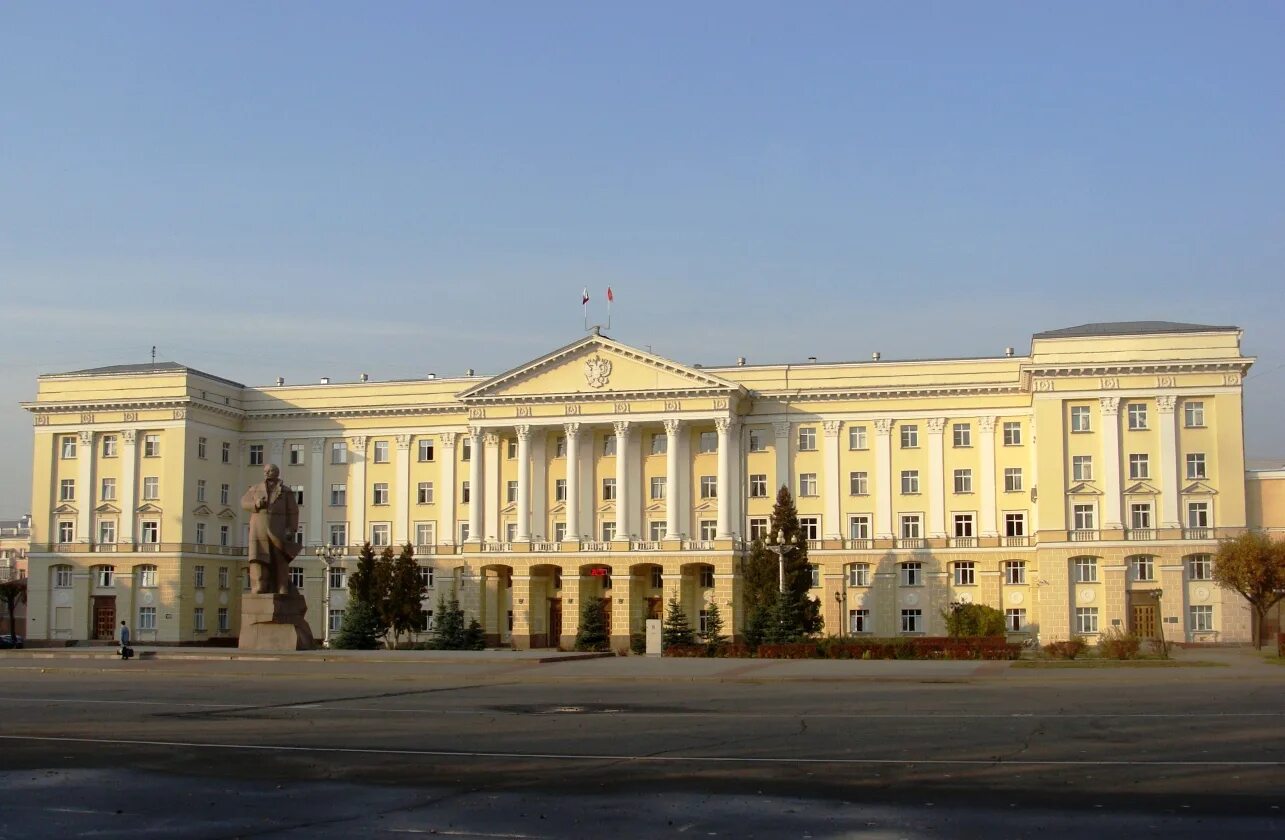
610 296
584 297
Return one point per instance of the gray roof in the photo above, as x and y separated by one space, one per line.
146 367
1130 328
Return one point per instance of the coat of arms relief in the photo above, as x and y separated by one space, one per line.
597 371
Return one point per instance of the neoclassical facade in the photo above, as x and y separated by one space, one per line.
1080 487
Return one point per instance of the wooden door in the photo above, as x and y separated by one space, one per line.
105 617
555 622
1144 620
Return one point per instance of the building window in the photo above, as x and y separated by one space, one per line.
295 456
424 493
67 490
1139 466
339 452
911 526
256 454
1086 569
964 525
609 531
560 446
708 529
912 574
809 527
338 577
1143 568
1196 466
223 577
1015 524
965 573
1083 518
859 621
814 576
909 482
859 483
338 495
151 446
560 490
1140 515
859 527
339 534
425 449
336 620
151 531
963 481
1012 433
1201 619
1081 467
757 441
657 530
200 489
963 434
224 625
1080 419
609 445
146 576
910 437
559 531
807 484
1200 567
224 493
1086 620
379 534
297 489
68 447
62 577
511 449
426 577
1193 414
426 533
912 621
151 488
1197 514
381 452
201 447
107 491
656 579
200 533
1137 414
224 534
198 619
608 489
656 487
758 528
198 577
1015 572
858 574
1012 479
66 532
758 485
510 492
707 577
466 449
807 439
106 532
1014 619
709 487
296 577
379 494
857 437
465 495
659 444
109 446
225 454
147 618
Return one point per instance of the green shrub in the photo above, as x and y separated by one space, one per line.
638 643
973 620
360 630
1116 644
1068 649
593 626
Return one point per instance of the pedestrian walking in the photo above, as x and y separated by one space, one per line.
125 650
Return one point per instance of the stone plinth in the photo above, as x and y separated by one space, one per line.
274 622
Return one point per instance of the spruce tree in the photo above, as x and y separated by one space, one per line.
677 630
360 629
593 626
449 632
361 583
801 610
405 593
713 635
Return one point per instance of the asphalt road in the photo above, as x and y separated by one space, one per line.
593 749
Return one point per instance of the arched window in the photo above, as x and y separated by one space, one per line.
104 576
145 575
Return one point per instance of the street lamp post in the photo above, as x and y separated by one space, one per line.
328 555
1160 623
778 546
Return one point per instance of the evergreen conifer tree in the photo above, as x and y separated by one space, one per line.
361 583
593 626
800 610
360 629
405 593
677 630
448 626
713 635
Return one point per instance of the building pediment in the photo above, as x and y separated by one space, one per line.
597 367
65 508
1199 488
227 513
655 507
201 510
1083 488
706 506
558 508
149 508
1141 488
107 507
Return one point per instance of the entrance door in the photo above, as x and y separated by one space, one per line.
555 622
1144 620
105 617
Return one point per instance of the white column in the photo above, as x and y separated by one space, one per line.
623 498
1112 518
539 526
832 529
495 498
85 487
402 493
782 443
316 494
986 453
936 478
128 488
572 431
673 479
883 479
725 427
524 483
475 484
446 532
1169 465
357 490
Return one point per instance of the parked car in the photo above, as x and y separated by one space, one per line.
7 642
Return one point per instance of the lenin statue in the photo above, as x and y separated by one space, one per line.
274 519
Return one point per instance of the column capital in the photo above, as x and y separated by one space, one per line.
490 439
831 427
986 424
571 429
86 437
523 432
127 436
883 425
1166 402
936 425
447 439
403 441
673 426
724 424
357 442
476 432
781 428
622 429
1110 406
318 445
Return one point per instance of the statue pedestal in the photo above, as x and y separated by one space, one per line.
274 622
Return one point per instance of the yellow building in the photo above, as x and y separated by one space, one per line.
1078 488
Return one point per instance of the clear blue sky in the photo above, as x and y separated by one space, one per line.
308 189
